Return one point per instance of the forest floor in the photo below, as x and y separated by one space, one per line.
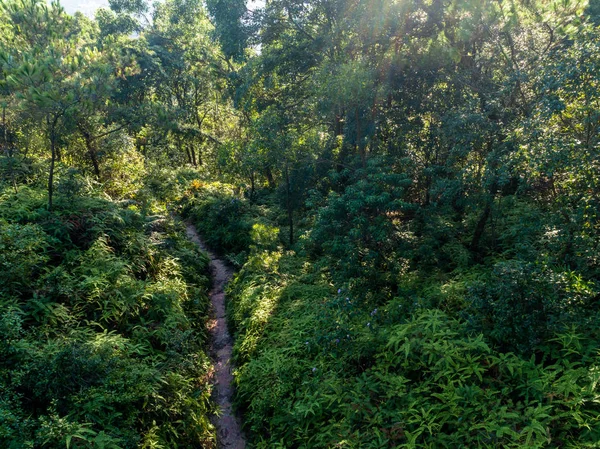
229 431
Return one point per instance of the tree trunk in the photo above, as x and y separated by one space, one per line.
5 147
480 227
252 186
338 124
9 151
52 162
193 153
89 144
361 148
189 155
290 212
270 179
427 189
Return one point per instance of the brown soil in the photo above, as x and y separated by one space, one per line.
229 431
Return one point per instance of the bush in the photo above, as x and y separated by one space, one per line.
22 256
343 372
341 375
358 231
229 223
521 306
102 317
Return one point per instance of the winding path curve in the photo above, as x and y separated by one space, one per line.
229 431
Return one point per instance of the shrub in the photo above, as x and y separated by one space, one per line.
102 313
22 256
520 306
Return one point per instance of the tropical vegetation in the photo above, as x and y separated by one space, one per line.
407 189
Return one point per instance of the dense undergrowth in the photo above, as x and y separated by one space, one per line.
408 188
230 223
500 353
103 304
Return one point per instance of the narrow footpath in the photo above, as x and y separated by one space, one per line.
229 431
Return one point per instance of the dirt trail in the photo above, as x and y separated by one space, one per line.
229 431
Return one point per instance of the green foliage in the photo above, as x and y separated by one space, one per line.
22 255
228 222
520 306
357 230
342 374
222 217
412 205
103 311
229 16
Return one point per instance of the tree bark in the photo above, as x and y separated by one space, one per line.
480 227
252 186
270 179
193 153
290 212
189 155
52 162
58 152
9 151
361 148
89 143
